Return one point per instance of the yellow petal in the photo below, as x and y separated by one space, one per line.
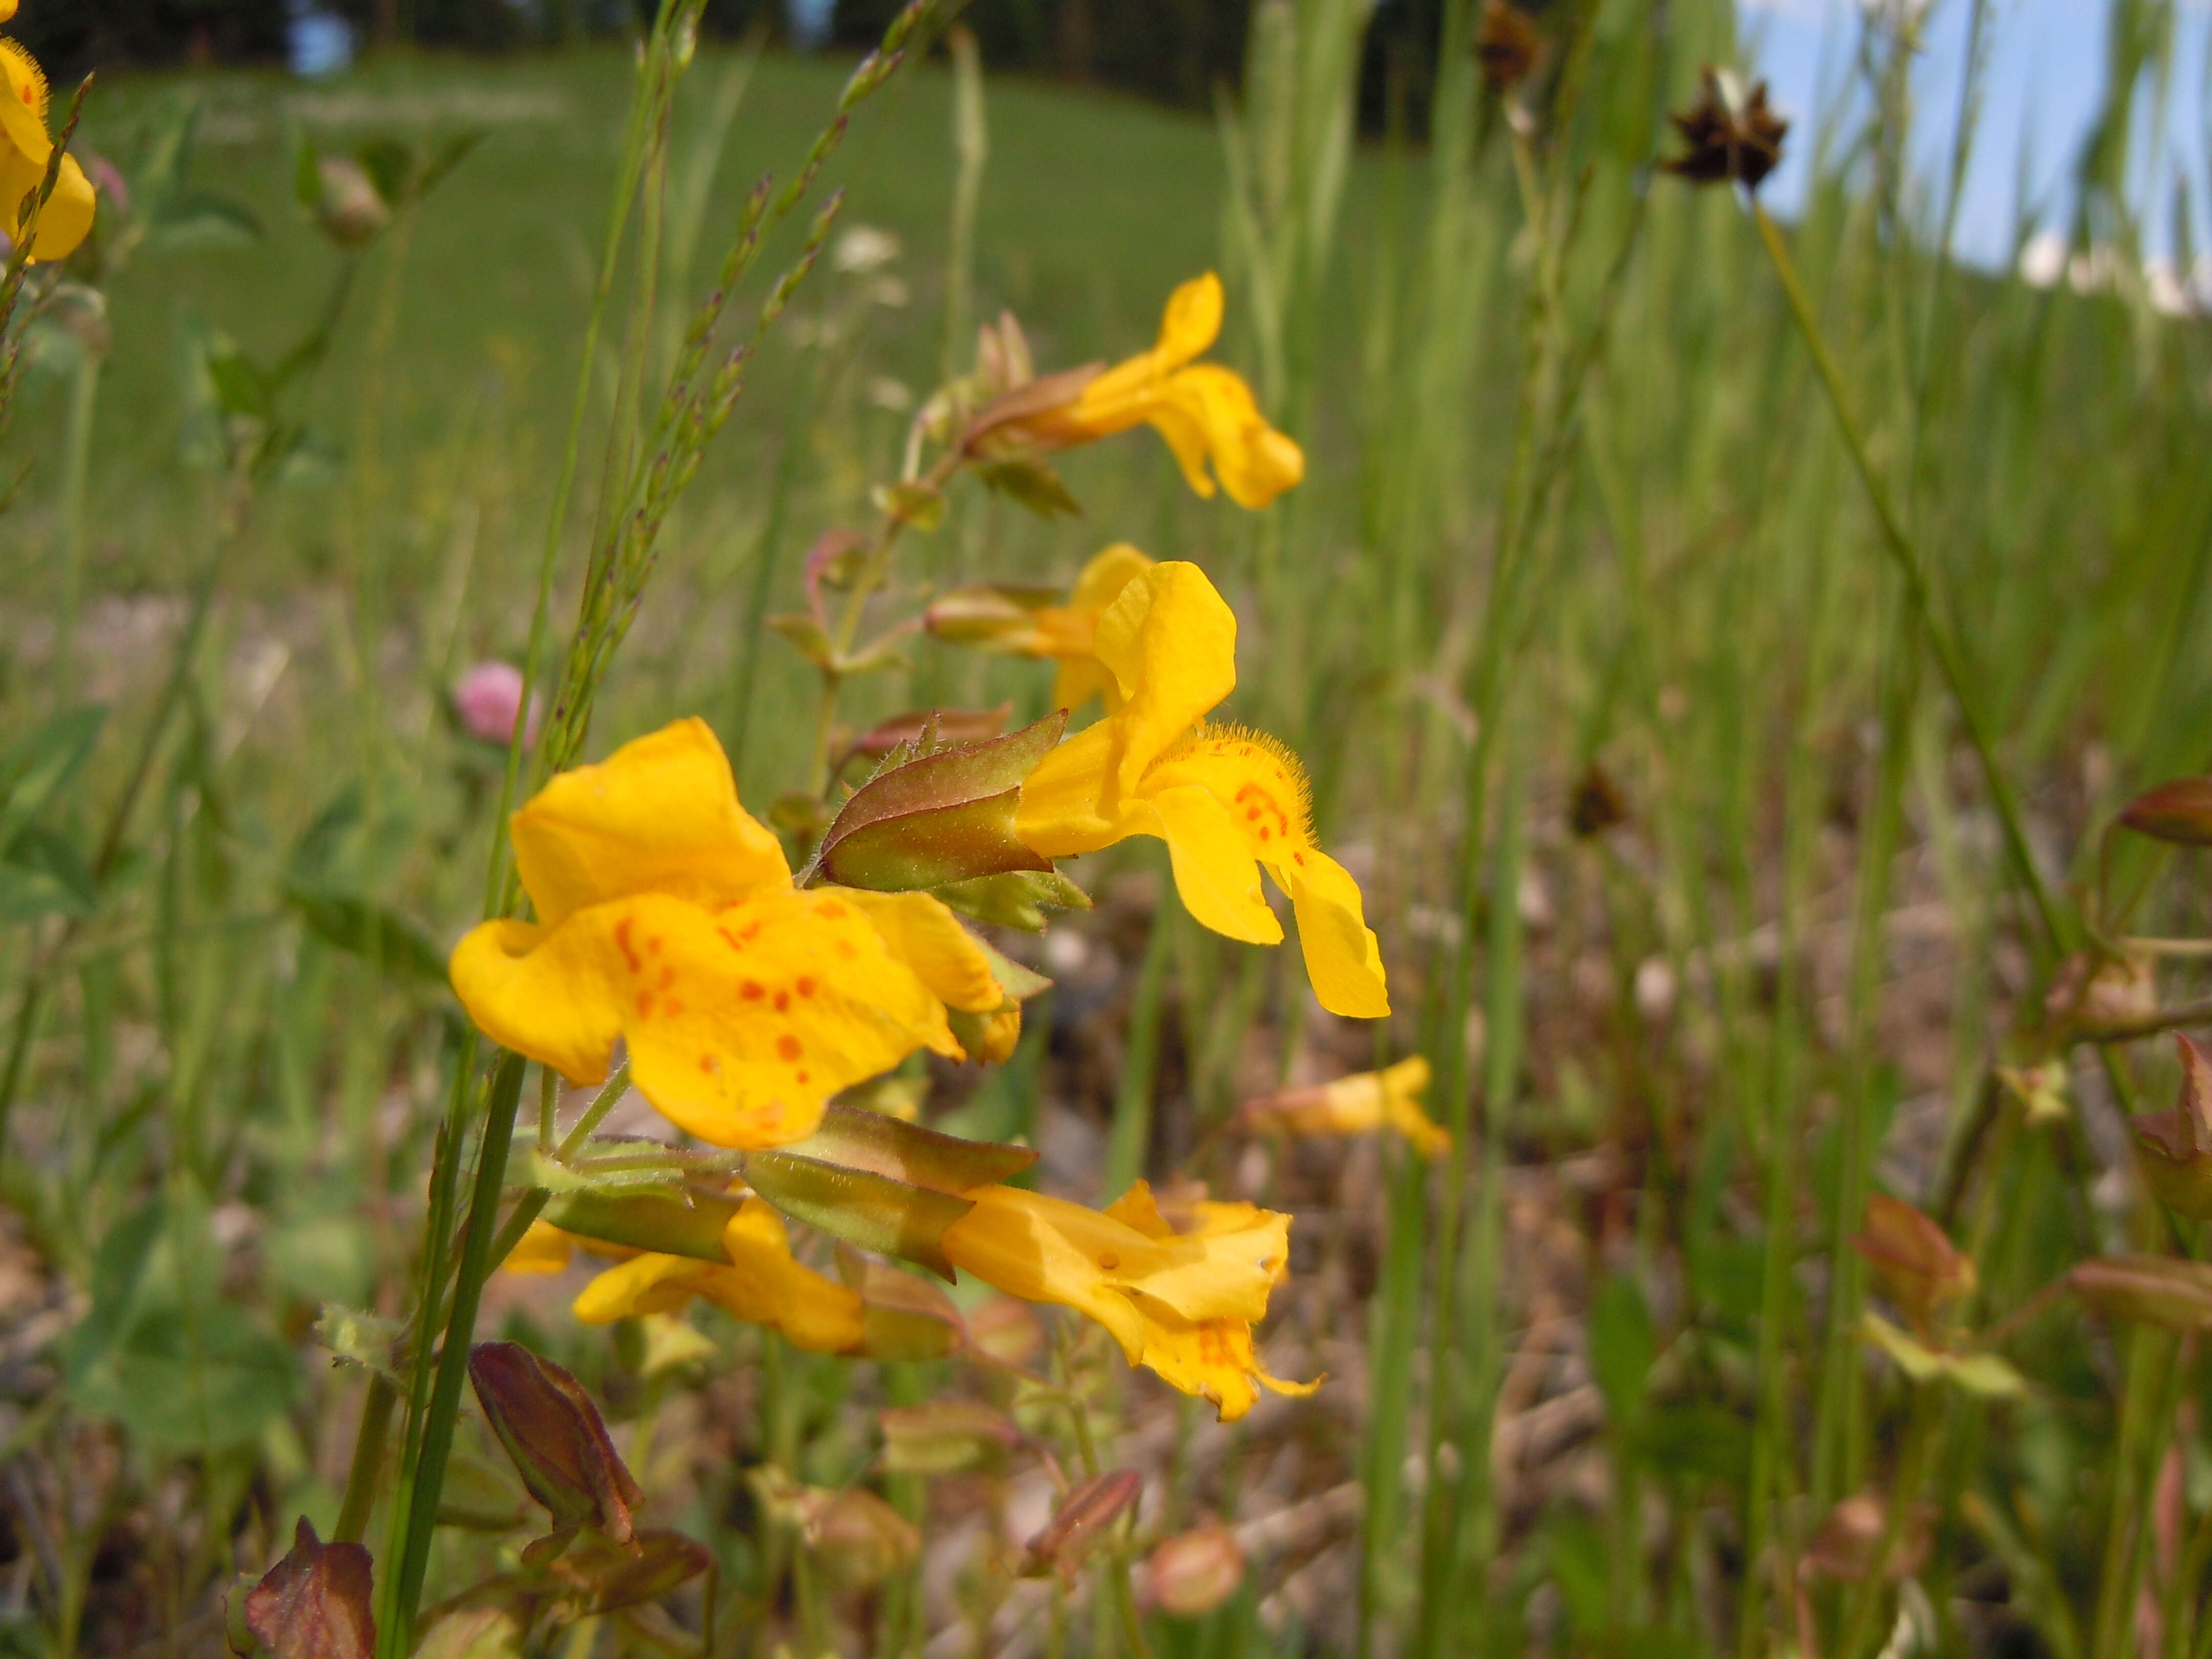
741 1022
7 9
1212 1358
1080 679
1171 642
543 1249
1343 959
1215 873
1002 1035
1046 1249
643 1285
925 935
1058 814
765 1286
658 815
1208 414
1115 400
1109 571
25 149
1192 321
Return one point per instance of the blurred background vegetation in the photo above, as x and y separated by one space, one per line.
1685 861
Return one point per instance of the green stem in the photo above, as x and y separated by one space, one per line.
429 1472
369 1445
1950 659
77 505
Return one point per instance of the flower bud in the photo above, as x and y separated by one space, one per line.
944 817
2102 999
1506 44
488 702
2147 1290
860 1539
2173 1148
941 725
994 614
2179 811
1850 1537
1080 1523
1193 1573
1914 1261
944 1437
1005 1329
553 1431
315 1603
348 205
600 1576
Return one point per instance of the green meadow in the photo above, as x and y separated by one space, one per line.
1729 655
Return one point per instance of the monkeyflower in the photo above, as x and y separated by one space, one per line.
26 147
1019 622
762 1284
1226 801
489 701
667 918
1358 1105
1204 411
1180 1305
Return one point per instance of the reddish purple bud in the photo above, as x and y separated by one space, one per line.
1080 1522
554 1433
314 1604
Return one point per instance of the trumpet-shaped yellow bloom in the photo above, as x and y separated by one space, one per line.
1225 800
1204 411
762 1284
1358 1105
26 147
666 917
1067 633
1182 1304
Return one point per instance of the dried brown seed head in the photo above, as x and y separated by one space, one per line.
1506 44
1730 135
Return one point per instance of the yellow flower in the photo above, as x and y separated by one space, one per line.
1182 1304
761 1283
1224 798
1067 632
1358 1105
1204 411
666 917
25 149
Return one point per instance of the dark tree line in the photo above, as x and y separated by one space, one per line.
1175 51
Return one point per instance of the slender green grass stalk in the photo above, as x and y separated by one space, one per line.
1950 660
971 149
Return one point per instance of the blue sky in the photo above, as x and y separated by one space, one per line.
2045 77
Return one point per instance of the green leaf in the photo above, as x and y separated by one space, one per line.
807 635
239 386
918 504
33 770
1985 1375
45 874
856 1139
390 165
1034 486
367 930
162 1351
689 1224
890 1218
1013 898
1622 1346
448 156
357 1338
192 220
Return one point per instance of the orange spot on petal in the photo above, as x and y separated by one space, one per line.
673 1009
804 985
621 940
782 1001
750 991
788 1046
644 1004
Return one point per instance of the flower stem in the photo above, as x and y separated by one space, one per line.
429 1473
1950 660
